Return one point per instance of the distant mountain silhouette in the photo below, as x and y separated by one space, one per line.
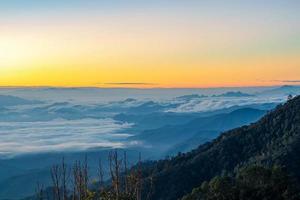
283 90
150 107
275 139
191 96
7 100
156 120
234 94
199 130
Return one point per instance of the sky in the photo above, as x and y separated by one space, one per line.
151 43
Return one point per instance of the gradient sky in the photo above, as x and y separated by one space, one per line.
153 43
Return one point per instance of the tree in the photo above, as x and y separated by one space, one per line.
250 183
72 183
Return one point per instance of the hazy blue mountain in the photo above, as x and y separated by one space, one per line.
150 107
128 100
191 96
7 100
15 186
193 142
3 109
201 129
156 120
60 110
23 172
283 90
234 94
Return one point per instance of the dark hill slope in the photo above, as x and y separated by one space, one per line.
275 139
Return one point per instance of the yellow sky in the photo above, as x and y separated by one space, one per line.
156 48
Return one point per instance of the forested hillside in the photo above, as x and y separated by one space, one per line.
273 140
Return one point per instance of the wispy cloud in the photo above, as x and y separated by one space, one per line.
128 83
280 81
287 81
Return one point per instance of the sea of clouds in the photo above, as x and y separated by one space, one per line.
81 119
60 135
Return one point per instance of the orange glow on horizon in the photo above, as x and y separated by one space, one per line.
153 49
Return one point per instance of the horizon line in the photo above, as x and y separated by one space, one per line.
99 87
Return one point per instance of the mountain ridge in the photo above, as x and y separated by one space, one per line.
206 128
274 139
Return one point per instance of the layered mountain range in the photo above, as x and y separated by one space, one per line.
273 140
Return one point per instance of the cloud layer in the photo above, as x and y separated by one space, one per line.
76 125
217 103
59 135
